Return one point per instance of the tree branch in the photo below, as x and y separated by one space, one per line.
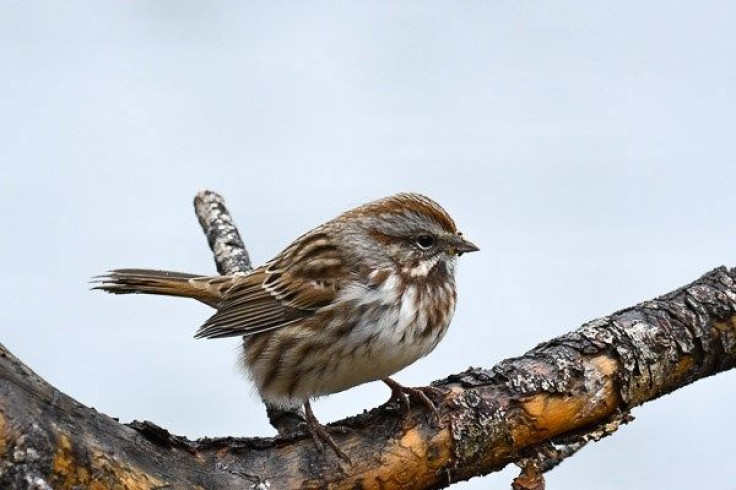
231 256
559 391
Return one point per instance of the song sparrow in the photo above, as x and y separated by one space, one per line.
354 300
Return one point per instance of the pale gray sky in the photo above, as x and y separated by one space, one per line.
587 147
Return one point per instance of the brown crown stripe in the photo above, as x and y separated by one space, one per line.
401 203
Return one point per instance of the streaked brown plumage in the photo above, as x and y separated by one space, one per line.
353 300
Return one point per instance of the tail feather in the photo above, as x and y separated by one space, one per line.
207 289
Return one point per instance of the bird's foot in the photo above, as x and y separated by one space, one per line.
404 394
320 435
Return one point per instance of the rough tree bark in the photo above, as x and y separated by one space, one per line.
533 410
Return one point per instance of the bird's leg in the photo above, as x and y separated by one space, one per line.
320 434
404 394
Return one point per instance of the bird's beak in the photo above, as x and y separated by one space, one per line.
458 245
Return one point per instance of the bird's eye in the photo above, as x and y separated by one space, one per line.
425 241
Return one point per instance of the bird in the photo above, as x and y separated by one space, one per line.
354 300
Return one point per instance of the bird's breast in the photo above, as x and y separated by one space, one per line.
399 321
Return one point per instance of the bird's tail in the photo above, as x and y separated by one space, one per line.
207 289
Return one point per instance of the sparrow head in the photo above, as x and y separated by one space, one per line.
410 231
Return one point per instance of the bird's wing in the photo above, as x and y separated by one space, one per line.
302 279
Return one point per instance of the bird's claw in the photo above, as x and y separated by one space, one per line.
404 394
321 436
